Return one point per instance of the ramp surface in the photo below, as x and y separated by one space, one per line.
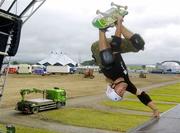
169 122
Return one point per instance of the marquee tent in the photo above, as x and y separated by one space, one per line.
57 59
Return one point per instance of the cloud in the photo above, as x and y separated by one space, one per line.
66 25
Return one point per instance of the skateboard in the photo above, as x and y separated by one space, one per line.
108 18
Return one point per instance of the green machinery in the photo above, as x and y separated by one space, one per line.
9 129
52 98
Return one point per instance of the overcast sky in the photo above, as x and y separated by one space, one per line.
65 25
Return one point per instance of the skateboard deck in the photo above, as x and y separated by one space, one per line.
108 18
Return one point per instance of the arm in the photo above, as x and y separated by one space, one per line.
116 39
126 33
102 41
146 100
135 39
152 106
119 27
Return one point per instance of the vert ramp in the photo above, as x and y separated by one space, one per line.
169 122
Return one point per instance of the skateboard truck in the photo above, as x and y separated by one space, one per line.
102 13
3 53
109 17
118 6
112 4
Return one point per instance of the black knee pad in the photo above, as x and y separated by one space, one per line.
144 98
106 57
137 42
115 44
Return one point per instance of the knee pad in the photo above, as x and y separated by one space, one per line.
144 98
115 43
106 57
137 41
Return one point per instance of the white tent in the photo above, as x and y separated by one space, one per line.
171 65
57 59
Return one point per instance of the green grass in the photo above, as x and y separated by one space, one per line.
115 121
22 129
94 118
170 93
166 98
160 98
136 105
2 128
170 90
108 120
134 67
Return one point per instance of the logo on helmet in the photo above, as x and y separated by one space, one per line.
111 94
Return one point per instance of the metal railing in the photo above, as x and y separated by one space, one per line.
24 13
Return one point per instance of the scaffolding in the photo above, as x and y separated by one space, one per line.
13 14
20 8
4 73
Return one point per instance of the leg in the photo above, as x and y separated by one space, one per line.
131 87
143 97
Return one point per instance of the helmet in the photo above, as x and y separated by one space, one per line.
111 94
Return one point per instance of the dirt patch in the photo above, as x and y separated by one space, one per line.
75 85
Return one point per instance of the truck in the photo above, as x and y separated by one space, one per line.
24 69
58 69
53 98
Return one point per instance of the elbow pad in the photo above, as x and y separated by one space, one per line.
106 57
115 43
144 98
137 42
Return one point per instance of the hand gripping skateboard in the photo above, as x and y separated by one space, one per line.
108 18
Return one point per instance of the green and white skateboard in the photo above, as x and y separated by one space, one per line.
108 18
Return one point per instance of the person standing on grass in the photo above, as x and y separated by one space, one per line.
113 67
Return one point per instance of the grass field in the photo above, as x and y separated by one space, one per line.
136 105
94 118
170 93
74 84
97 119
77 86
21 129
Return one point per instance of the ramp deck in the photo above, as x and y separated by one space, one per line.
169 122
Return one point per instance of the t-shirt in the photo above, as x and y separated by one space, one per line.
125 46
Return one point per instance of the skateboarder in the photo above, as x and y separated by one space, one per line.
113 66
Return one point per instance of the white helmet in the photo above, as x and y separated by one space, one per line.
111 94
